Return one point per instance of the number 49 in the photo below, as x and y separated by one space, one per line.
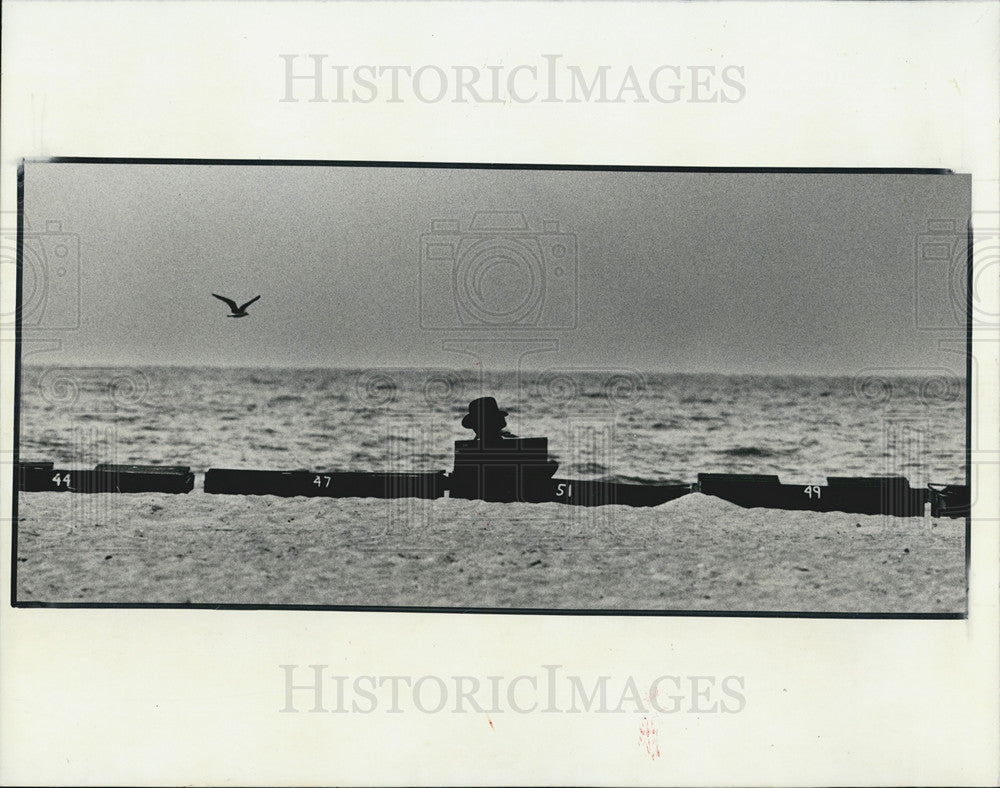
812 490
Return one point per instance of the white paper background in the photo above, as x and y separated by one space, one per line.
106 696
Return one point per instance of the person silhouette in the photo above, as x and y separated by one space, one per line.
486 420
498 466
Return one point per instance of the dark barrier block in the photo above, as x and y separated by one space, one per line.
147 478
890 495
737 478
949 500
36 476
512 469
333 484
106 478
94 482
869 481
747 490
502 483
66 480
598 493
507 450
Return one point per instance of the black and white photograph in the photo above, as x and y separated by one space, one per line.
474 387
499 393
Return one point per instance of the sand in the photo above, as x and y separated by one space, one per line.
697 553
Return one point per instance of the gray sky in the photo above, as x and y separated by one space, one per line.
732 272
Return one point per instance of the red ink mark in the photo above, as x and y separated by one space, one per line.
490 722
649 738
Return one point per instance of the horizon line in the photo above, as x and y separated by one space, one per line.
870 371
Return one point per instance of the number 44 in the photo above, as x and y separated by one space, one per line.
61 479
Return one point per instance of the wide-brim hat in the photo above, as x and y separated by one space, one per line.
479 409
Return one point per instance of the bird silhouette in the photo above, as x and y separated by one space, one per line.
238 311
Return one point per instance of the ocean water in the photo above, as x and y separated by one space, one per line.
628 427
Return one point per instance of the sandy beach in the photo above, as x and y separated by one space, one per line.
697 553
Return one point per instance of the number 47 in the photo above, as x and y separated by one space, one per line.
318 481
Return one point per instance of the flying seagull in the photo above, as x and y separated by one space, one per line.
238 311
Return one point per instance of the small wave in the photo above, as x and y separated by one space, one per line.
625 479
664 425
283 398
748 451
588 467
49 439
424 457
